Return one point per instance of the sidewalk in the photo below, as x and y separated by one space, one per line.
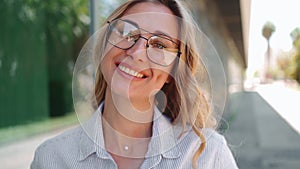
19 154
17 144
284 100
258 136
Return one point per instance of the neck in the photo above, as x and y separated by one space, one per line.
124 134
125 118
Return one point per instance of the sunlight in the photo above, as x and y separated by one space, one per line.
284 100
282 14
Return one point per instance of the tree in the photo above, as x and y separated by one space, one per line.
285 65
267 31
66 26
295 35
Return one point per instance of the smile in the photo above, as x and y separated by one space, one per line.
130 72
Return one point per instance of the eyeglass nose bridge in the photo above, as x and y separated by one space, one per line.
133 48
141 37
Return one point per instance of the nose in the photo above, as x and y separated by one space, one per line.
138 50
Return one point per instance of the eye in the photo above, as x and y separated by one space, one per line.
158 45
160 42
131 36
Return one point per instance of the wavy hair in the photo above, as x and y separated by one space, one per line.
185 101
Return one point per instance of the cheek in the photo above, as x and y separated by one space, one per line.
163 73
110 57
106 65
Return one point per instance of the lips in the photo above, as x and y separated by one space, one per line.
130 72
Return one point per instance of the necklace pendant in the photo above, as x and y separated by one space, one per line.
126 148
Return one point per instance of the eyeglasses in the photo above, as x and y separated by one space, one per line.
160 48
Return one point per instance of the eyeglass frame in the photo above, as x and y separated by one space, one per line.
140 36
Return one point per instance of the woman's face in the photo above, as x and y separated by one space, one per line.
132 72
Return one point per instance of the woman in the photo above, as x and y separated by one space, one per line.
150 110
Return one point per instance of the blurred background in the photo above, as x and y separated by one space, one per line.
258 42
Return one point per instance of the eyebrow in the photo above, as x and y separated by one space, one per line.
162 33
131 22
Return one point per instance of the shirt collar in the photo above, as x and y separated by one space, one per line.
91 140
163 141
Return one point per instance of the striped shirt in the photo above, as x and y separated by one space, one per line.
83 148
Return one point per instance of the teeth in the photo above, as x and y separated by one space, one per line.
131 72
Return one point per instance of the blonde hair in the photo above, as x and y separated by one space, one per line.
185 103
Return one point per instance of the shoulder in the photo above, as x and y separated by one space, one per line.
68 137
53 150
216 154
217 151
213 138
213 141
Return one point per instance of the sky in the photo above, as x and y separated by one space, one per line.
285 15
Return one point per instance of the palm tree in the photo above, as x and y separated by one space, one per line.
267 31
295 35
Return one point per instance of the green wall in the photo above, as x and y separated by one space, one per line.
23 63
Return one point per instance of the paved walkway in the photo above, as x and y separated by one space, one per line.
284 100
260 138
19 154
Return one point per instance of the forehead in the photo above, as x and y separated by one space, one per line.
153 18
